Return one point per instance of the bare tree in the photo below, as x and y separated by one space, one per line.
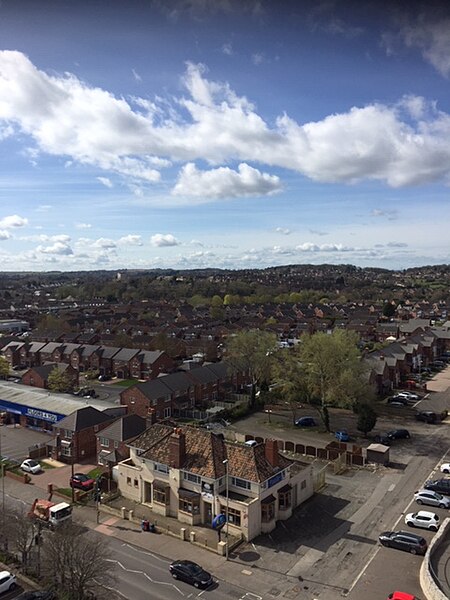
77 564
22 533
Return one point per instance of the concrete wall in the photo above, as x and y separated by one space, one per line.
429 586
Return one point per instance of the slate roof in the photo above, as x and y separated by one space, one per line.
45 369
125 354
108 351
125 428
51 347
83 418
205 453
148 357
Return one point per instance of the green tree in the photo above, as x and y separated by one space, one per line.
59 381
335 372
367 417
290 379
4 368
252 352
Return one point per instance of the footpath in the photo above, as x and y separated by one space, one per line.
255 582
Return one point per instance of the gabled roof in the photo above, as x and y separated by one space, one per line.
125 428
108 351
148 357
83 418
126 354
45 370
50 347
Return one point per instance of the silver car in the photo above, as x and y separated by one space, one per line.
432 498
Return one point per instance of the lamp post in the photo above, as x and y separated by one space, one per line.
225 462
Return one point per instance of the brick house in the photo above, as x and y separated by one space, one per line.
121 362
75 435
112 441
182 473
103 360
38 376
149 364
80 358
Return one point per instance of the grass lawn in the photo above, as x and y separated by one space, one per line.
126 383
96 472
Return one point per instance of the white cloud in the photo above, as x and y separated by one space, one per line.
136 76
13 221
58 248
391 214
83 225
310 247
104 244
160 239
389 143
257 58
4 235
227 49
105 181
283 230
225 183
130 240
43 208
433 39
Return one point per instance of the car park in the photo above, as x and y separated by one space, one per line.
445 468
342 435
191 572
442 486
305 422
423 519
432 498
81 481
7 581
31 466
403 540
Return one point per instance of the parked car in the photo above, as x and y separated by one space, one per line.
423 519
445 468
401 596
342 435
408 395
441 486
432 498
382 439
81 481
7 581
403 540
398 401
305 422
31 466
398 434
191 572
427 416
251 443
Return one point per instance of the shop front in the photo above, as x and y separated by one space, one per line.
29 416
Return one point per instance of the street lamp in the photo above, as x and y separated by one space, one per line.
225 462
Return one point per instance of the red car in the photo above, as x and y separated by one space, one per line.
81 481
401 596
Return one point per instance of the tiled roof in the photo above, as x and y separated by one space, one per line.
125 428
83 419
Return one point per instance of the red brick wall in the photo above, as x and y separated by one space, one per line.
38 381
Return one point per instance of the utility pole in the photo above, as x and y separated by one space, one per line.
225 462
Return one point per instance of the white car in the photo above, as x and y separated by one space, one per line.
424 519
31 466
445 468
432 498
251 443
408 395
7 581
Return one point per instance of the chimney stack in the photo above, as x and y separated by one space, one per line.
271 452
177 448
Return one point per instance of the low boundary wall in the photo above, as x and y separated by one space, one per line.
428 582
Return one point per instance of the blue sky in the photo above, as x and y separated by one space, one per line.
197 133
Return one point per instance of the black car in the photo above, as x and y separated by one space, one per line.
398 400
427 416
398 434
191 572
403 540
442 486
382 439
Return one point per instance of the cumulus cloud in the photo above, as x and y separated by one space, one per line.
4 235
13 221
105 181
58 248
310 247
212 122
225 182
130 240
104 244
160 239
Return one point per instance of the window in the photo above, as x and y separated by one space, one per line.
104 442
234 516
136 483
167 412
191 506
242 483
161 468
116 444
284 500
66 450
191 477
68 434
160 496
267 512
303 484
128 480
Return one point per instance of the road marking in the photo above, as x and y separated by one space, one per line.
146 552
250 595
137 572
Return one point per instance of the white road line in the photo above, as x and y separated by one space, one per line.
361 573
117 562
138 550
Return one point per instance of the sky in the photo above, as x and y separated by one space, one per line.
183 134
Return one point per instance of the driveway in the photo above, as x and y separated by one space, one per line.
59 476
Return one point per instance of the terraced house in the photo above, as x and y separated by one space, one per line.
182 472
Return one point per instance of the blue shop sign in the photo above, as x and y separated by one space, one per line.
29 411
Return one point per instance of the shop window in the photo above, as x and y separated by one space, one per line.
267 512
161 496
191 505
284 500
234 516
